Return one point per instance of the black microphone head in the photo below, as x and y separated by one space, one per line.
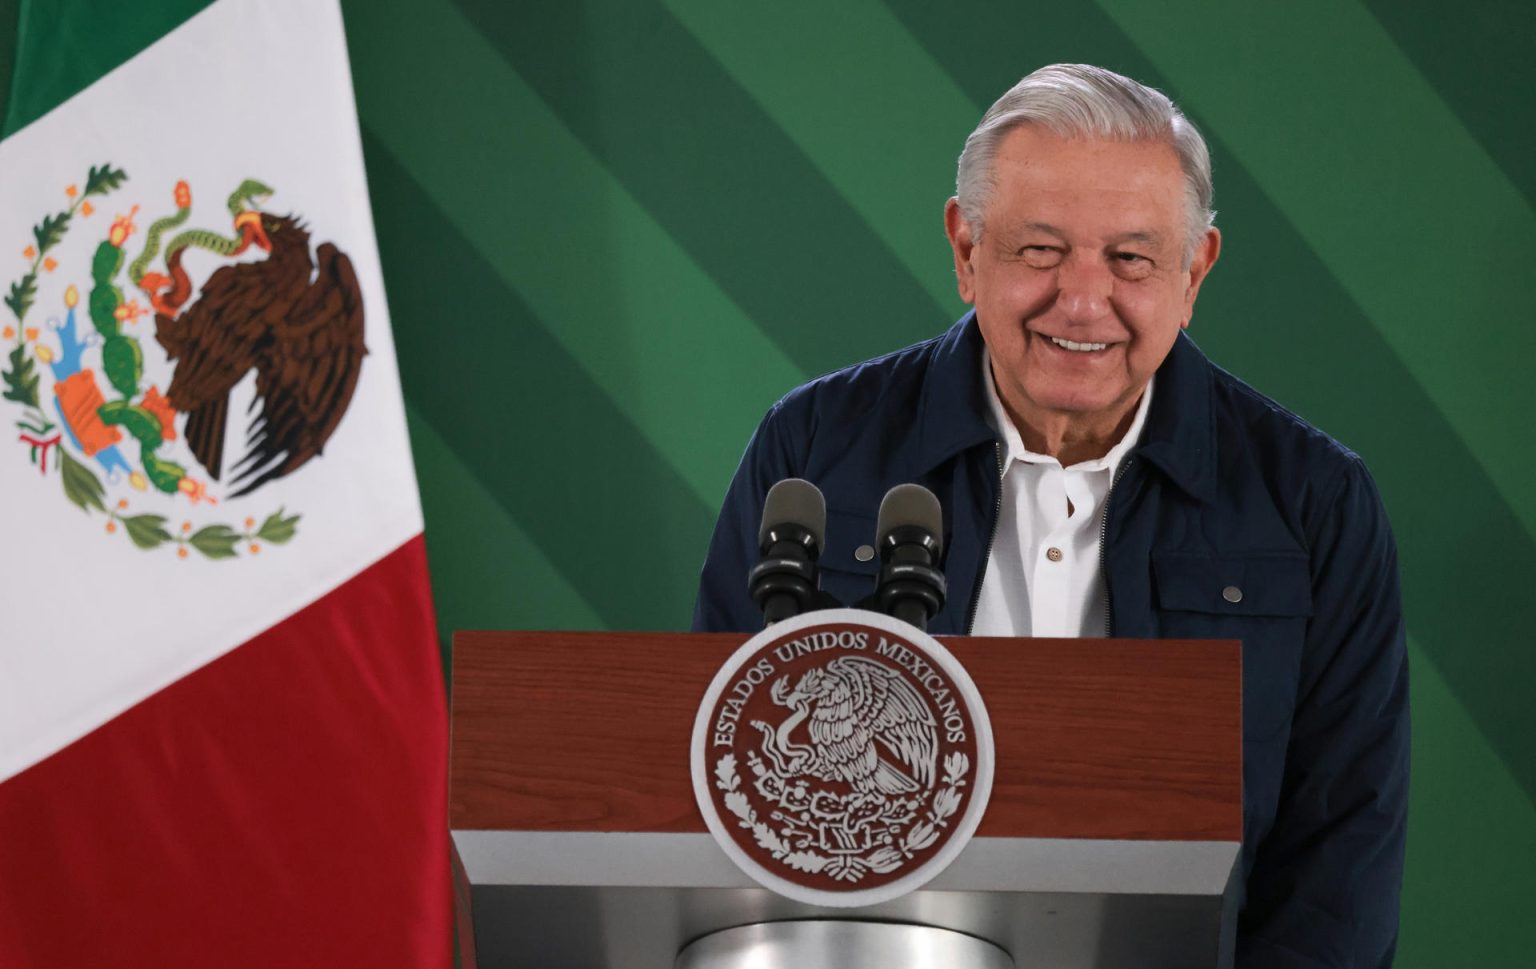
911 505
794 501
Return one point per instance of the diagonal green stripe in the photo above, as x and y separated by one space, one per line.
1478 57
617 293
896 172
710 167
479 553
1385 183
986 47
1471 838
550 446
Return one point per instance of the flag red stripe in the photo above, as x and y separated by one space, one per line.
283 806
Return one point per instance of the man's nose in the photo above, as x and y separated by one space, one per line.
1084 285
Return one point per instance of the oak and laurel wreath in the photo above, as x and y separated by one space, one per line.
81 485
853 867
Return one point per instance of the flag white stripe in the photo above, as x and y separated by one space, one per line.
92 625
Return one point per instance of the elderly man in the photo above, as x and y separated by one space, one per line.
1099 476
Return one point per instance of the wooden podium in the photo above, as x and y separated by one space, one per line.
1111 839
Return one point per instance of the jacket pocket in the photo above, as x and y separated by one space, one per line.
1257 584
1263 599
848 563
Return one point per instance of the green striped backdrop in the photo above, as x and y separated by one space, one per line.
614 231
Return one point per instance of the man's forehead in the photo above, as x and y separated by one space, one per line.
1038 168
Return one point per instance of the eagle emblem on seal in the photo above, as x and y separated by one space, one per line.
867 727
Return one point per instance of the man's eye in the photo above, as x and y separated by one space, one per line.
1040 256
1132 265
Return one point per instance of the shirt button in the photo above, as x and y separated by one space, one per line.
864 553
1054 554
1232 594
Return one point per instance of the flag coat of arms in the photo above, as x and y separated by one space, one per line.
222 729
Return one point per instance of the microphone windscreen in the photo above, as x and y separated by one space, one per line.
911 504
795 501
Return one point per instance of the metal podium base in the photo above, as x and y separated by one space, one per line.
818 944
586 900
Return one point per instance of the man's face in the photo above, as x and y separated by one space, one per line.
1079 280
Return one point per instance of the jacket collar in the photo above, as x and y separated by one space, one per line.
1180 434
952 413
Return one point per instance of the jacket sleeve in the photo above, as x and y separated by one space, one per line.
723 604
1324 888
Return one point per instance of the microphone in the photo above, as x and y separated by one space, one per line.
783 583
909 534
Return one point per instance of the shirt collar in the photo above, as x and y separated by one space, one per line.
1013 443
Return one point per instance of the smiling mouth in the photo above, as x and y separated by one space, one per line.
1076 347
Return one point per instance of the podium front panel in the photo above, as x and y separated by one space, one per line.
1111 839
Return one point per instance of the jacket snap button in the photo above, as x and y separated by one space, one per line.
864 553
1232 594
1054 554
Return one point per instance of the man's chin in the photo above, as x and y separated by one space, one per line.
1087 404
1093 408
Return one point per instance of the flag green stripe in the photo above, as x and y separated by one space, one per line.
538 433
10 12
1471 838
1386 184
736 195
56 58
895 176
1478 57
680 360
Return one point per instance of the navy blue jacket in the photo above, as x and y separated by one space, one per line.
1226 488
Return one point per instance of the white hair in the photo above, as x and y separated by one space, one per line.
1083 101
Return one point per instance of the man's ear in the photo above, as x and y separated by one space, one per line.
961 243
1206 253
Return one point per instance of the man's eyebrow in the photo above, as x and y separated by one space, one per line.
1141 235
1149 236
1045 227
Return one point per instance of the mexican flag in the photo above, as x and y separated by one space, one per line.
222 729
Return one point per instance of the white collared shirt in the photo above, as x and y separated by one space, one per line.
1043 576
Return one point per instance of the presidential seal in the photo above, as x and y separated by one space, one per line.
842 758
